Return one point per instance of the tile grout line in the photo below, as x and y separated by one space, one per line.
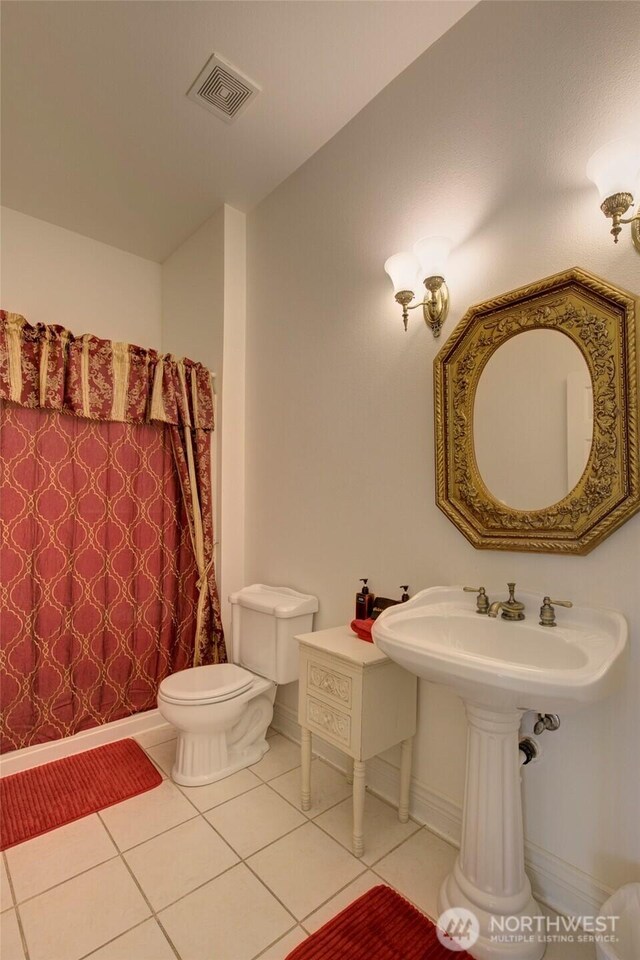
406 897
145 897
154 914
275 942
314 818
159 743
253 852
12 890
199 813
266 783
140 843
208 810
325 902
241 859
60 883
86 956
272 893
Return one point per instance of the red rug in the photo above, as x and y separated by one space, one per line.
380 925
43 798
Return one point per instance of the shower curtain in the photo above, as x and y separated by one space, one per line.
106 564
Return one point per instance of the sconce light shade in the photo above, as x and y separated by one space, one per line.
614 168
433 253
403 270
427 264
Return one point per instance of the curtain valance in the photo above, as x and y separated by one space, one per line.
47 366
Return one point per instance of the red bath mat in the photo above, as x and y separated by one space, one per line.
380 925
43 798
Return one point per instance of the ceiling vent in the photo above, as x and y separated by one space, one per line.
222 89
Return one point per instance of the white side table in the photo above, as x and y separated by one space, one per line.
357 699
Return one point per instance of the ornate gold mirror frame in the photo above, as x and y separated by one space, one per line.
601 320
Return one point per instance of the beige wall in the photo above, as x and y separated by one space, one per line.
51 275
485 138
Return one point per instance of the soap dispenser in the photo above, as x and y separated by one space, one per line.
364 601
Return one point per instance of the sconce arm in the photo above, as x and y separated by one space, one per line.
435 305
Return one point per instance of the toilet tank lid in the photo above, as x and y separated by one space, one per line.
277 601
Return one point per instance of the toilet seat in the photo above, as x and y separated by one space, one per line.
211 684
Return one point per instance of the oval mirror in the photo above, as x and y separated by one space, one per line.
533 419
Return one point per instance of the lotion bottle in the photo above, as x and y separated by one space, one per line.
364 601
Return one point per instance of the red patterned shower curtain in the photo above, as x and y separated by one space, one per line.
106 563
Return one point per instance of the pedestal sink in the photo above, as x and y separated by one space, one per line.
501 668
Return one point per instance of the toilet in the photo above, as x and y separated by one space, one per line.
222 711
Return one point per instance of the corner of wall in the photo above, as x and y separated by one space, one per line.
232 434
204 317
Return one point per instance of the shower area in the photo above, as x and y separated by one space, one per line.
107 581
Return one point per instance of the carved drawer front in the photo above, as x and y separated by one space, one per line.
329 722
324 681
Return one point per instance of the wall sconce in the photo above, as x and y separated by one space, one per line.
614 169
428 260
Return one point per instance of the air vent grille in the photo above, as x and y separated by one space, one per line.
222 89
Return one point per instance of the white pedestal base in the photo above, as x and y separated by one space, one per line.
218 739
188 775
488 877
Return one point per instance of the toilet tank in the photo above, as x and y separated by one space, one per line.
264 622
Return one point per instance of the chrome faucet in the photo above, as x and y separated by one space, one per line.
512 609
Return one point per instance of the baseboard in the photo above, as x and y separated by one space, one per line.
562 886
556 883
140 725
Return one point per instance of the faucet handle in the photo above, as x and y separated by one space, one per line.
547 612
482 602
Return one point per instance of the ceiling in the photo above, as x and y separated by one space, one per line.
99 137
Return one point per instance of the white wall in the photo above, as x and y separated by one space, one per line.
203 317
193 296
231 435
51 275
523 388
485 138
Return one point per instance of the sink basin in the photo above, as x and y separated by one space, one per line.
439 636
500 668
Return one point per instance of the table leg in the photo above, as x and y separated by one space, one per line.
305 744
405 779
358 807
349 770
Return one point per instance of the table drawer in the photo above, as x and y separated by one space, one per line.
324 681
330 723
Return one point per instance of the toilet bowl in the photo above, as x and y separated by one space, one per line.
222 711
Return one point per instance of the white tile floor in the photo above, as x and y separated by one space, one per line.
232 871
